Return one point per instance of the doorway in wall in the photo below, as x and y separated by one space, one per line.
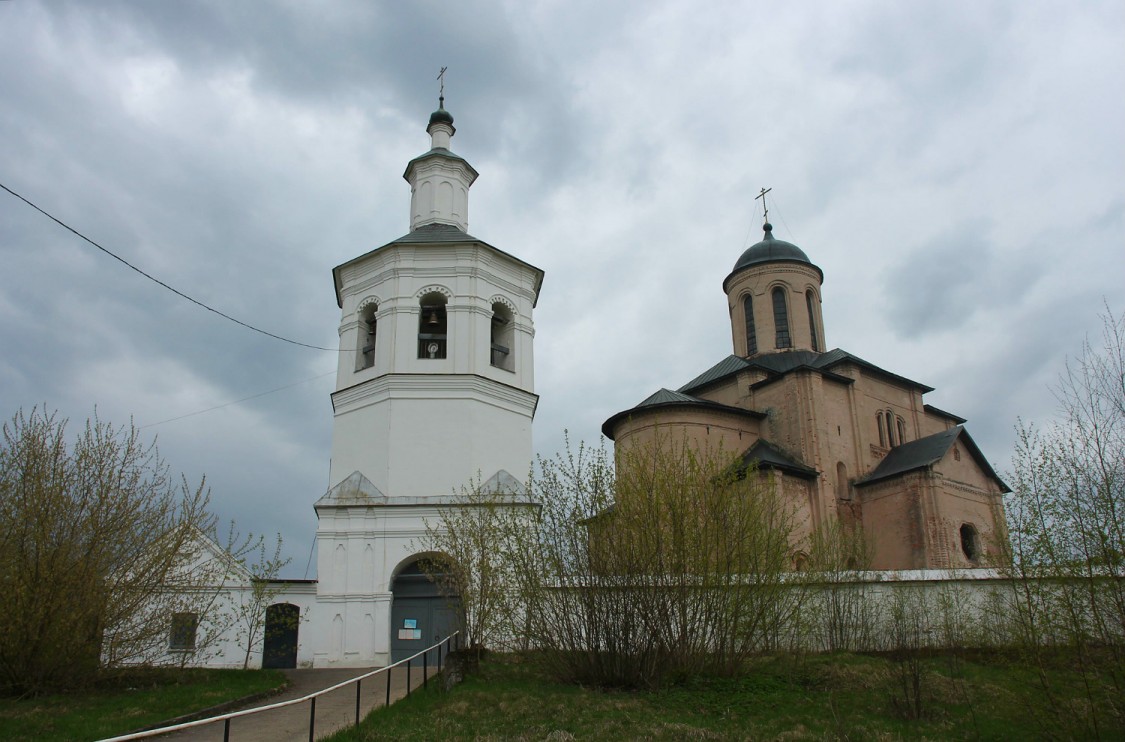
279 647
420 614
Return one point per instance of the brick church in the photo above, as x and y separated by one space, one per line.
840 438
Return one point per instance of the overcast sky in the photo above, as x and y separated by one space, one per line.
957 169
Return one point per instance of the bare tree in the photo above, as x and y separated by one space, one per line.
1066 517
247 606
470 547
839 604
669 562
93 548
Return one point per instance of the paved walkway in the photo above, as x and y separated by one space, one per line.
334 711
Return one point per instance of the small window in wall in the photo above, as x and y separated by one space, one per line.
889 419
501 337
901 424
882 430
366 341
181 637
970 542
432 327
810 302
781 319
751 333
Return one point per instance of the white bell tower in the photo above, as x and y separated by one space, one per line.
435 388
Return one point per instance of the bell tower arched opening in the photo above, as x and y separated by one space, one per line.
501 335
365 342
433 326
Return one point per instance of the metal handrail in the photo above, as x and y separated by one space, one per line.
226 718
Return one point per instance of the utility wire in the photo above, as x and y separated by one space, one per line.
177 292
244 399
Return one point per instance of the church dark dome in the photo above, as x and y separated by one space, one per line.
441 116
770 250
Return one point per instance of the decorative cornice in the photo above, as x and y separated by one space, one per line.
428 386
433 288
501 299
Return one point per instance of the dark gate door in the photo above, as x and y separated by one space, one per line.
420 615
279 648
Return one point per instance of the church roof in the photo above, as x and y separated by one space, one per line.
924 452
770 250
441 116
957 419
777 365
442 152
667 399
358 490
434 234
769 456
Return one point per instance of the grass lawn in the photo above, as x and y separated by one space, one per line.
141 698
839 696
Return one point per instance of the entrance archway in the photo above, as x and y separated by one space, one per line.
279 647
420 613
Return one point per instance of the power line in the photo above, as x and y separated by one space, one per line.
244 399
155 280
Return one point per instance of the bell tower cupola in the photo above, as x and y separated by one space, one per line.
439 180
773 294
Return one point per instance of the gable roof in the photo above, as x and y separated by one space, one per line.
925 452
769 456
668 399
435 234
777 365
957 419
356 489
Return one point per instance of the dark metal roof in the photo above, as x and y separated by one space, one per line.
771 250
724 368
434 234
665 399
942 413
769 456
837 356
441 116
926 452
781 363
664 396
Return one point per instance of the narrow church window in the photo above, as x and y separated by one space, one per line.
879 425
901 430
889 419
432 327
366 340
181 637
751 334
501 337
781 319
810 302
970 542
